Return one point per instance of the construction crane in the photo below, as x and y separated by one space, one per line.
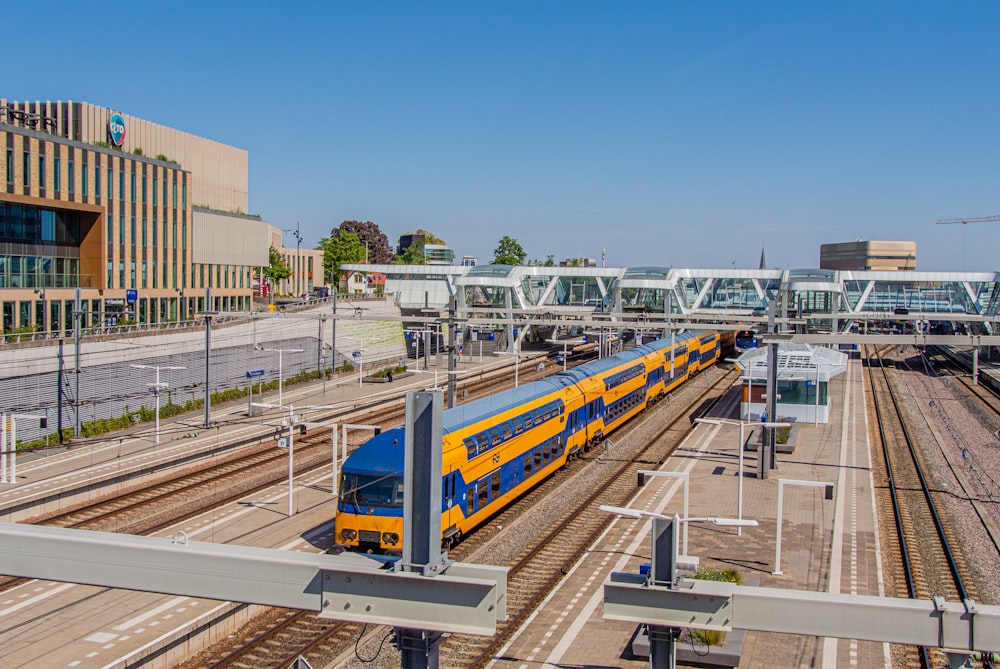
966 221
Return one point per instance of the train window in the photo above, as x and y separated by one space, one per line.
547 452
470 446
508 431
518 425
484 492
528 421
495 486
559 443
495 437
538 458
537 415
483 442
546 412
527 466
470 499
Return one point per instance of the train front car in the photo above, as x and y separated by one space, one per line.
370 508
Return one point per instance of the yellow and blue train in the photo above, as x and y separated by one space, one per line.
499 447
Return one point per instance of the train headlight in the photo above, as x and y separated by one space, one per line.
390 538
349 535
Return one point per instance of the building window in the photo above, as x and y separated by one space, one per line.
133 237
97 181
83 175
144 189
164 192
184 235
41 172
121 184
71 177
111 269
174 235
154 230
111 185
174 193
121 274
10 167
132 274
144 275
154 189
155 277
121 229
26 167
132 180
143 232
184 196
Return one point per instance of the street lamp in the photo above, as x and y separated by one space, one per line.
291 439
685 477
739 483
359 355
155 387
828 494
280 352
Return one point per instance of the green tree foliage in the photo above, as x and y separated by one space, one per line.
508 252
379 250
276 269
412 255
342 248
429 237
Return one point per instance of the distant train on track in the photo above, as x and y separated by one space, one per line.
497 448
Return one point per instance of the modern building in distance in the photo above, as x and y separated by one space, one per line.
142 219
435 254
578 262
469 261
306 265
874 256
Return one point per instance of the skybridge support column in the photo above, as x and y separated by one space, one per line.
975 365
452 353
422 516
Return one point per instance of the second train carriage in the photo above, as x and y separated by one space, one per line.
498 447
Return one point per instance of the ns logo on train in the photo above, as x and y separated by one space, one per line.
116 129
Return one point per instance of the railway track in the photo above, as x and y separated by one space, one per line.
540 565
932 564
534 569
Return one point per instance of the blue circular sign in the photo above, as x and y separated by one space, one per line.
116 129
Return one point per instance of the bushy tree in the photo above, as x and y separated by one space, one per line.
508 252
276 269
379 250
342 248
412 255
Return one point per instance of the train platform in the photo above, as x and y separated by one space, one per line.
826 545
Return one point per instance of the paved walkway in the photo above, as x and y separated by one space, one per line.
828 546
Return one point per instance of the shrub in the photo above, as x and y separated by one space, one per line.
714 637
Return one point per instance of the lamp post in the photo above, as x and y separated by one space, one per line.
749 388
685 477
291 440
280 352
359 355
739 482
155 387
663 570
828 494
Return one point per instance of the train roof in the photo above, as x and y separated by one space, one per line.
604 364
472 412
382 455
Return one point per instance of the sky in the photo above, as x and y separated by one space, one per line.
684 134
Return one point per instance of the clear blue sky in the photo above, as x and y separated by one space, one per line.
668 133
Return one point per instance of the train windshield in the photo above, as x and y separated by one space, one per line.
384 491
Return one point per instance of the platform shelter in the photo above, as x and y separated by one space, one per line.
804 373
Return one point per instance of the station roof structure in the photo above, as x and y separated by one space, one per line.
802 362
824 301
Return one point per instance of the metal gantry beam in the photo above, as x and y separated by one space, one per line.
697 604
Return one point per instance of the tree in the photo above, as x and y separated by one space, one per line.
412 255
342 248
429 237
379 250
276 269
508 252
